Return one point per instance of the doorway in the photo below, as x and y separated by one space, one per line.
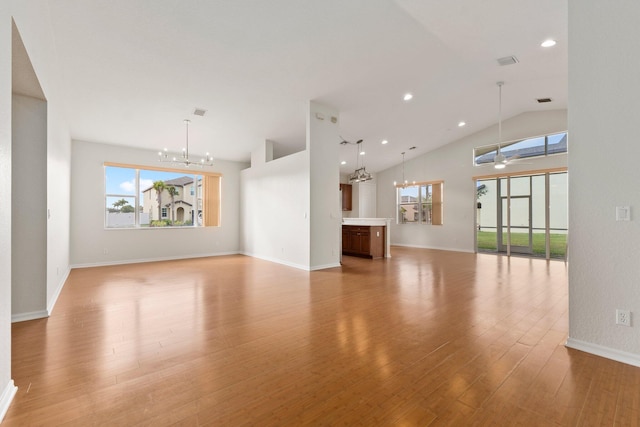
523 214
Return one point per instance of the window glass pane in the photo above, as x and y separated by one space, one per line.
120 180
426 200
520 186
120 212
168 198
485 154
557 143
538 204
526 148
530 147
408 206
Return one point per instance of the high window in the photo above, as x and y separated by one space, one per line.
137 197
525 148
421 203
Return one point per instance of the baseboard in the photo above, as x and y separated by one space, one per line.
142 260
30 315
6 397
325 266
56 294
437 248
278 261
606 352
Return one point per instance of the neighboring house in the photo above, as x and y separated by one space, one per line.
410 206
186 203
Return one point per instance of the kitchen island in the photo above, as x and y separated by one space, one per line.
366 237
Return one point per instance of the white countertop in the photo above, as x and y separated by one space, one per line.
366 221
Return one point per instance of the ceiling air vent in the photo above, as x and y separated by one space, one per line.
543 100
507 60
199 112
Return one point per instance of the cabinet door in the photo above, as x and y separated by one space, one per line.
346 239
354 241
347 192
365 243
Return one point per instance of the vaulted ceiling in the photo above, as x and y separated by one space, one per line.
133 70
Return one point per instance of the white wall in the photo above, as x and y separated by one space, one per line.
7 388
89 238
604 90
326 217
275 210
363 198
291 205
32 20
453 163
29 206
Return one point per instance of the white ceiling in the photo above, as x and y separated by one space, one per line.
134 69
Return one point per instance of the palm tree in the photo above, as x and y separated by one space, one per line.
173 192
118 205
159 186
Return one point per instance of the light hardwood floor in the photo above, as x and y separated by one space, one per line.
426 338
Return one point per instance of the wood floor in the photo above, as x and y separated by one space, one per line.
426 338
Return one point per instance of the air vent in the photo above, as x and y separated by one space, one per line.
543 100
507 60
199 112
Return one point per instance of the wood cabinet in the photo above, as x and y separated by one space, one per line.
363 240
347 194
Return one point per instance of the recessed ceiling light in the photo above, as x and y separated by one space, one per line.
460 124
407 97
548 43
344 162
362 153
384 141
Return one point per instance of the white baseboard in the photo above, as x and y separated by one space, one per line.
437 248
6 397
141 260
278 261
606 352
56 294
30 315
322 267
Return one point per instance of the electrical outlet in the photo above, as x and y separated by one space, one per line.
623 317
105 251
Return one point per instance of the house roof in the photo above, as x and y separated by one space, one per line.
176 182
179 182
179 202
146 65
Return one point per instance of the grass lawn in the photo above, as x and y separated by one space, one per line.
487 242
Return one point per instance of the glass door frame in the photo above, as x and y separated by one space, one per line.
508 176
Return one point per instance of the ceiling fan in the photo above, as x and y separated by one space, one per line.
500 161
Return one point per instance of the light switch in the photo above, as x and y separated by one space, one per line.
623 213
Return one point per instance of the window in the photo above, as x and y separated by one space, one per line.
420 203
530 147
137 197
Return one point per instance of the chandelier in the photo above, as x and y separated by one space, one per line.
404 183
360 174
183 158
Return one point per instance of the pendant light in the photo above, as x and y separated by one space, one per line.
404 182
360 174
